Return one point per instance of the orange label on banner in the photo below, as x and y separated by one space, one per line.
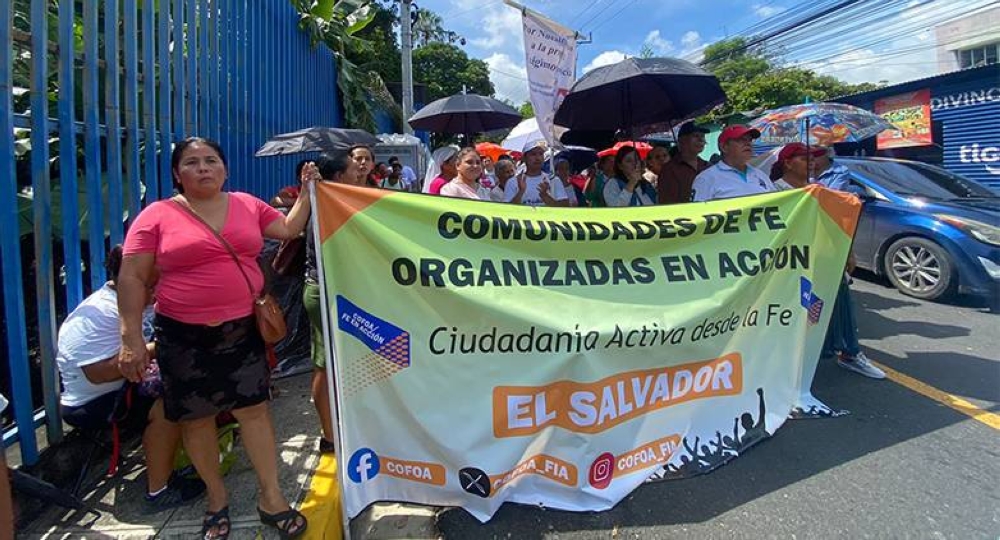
417 471
550 467
601 405
911 113
647 455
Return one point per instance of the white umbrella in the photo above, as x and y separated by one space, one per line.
525 132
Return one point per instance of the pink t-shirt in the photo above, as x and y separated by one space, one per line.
199 280
436 185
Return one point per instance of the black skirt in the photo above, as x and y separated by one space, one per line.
210 369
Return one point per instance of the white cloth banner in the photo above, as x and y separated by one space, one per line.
550 58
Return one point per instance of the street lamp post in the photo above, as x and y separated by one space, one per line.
406 34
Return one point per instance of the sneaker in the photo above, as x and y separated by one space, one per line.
326 446
860 363
180 491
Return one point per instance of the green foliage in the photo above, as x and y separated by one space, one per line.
526 110
445 68
753 81
337 24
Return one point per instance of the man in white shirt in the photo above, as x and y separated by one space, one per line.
504 171
732 176
407 176
87 354
533 187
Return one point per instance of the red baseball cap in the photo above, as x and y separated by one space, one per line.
736 132
798 149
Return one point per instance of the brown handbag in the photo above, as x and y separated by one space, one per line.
270 318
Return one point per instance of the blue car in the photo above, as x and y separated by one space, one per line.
929 231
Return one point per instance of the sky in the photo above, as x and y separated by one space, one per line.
681 28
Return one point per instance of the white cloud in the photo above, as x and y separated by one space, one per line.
660 46
691 40
764 11
604 59
501 28
509 78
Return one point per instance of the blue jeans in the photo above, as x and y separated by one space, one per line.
842 335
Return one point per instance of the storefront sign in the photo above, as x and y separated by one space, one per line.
911 112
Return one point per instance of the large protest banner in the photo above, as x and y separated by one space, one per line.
550 62
557 356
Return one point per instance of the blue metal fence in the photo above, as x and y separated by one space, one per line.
238 71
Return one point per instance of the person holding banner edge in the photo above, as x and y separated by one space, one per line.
210 352
341 169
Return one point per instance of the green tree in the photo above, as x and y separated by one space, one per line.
753 80
444 69
526 110
337 24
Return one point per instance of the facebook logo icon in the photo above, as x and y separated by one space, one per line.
363 466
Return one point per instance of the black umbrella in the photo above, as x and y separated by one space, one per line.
315 139
597 138
639 94
465 114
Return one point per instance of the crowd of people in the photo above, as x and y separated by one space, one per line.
197 254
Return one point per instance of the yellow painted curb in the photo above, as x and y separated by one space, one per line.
322 506
944 398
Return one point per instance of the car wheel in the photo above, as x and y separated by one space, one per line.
920 268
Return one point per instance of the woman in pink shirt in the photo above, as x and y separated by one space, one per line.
210 354
469 167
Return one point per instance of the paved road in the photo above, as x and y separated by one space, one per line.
902 465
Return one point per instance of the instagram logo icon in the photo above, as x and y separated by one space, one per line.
602 470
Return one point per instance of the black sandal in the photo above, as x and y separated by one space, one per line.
218 521
290 523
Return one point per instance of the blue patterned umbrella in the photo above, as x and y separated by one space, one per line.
821 124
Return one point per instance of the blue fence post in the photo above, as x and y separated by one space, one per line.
191 39
10 249
67 158
179 120
112 120
244 98
206 90
92 146
165 187
41 189
225 80
148 172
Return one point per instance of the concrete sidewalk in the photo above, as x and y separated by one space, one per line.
308 481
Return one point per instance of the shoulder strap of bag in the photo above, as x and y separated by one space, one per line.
182 204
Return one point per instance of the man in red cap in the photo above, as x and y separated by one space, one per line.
733 176
795 165
677 175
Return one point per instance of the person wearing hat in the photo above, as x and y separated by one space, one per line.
794 166
733 176
441 169
533 187
677 175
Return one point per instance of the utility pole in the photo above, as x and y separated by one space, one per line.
407 55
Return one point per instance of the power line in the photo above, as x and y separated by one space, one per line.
596 15
580 13
617 13
787 28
